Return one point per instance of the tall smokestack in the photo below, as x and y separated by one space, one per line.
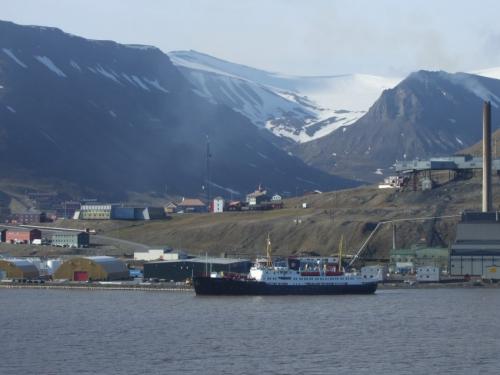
487 202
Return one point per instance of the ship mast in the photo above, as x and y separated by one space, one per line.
341 246
269 252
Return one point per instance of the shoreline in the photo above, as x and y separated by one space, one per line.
140 288
187 289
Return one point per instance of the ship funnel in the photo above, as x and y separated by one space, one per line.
487 200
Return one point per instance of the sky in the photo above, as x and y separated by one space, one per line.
302 37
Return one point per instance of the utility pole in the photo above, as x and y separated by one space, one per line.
393 236
207 182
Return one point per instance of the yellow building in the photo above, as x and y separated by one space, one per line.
18 269
97 268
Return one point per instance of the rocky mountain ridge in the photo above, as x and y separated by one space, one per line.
118 118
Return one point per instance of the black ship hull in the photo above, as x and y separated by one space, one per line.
225 286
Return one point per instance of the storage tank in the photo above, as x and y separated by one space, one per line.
53 265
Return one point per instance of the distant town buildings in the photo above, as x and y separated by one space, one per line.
94 268
29 217
218 205
159 254
276 198
94 212
407 260
18 269
71 239
171 208
190 205
109 211
182 269
67 209
25 236
257 197
393 182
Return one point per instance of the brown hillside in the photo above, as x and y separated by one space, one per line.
352 213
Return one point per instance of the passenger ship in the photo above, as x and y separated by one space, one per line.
298 276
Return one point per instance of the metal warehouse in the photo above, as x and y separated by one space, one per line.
71 239
477 244
182 269
96 268
18 269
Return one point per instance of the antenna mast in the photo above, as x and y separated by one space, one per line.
341 248
207 182
269 252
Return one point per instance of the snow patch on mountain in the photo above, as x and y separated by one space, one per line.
300 108
140 83
155 84
75 65
9 53
227 189
142 47
50 65
107 74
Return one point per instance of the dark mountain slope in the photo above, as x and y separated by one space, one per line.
120 118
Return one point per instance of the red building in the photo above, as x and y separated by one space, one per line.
22 236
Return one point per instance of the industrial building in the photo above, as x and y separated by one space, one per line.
138 213
428 274
18 269
159 254
464 164
117 212
25 236
407 260
95 211
96 268
71 239
375 272
477 244
182 269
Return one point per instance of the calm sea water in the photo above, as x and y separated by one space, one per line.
438 331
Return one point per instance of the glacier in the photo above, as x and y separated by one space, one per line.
298 108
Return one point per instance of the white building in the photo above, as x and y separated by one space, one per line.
159 254
218 205
491 273
374 273
392 182
428 273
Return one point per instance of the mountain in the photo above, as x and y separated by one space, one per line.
477 148
427 114
296 108
118 118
